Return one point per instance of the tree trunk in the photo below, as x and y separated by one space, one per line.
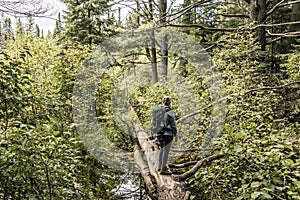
138 9
187 17
164 42
151 10
258 16
90 27
164 59
153 58
162 12
161 187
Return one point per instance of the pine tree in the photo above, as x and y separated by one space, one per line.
19 27
85 22
7 29
58 26
29 24
37 31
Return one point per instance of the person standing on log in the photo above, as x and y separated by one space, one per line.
165 134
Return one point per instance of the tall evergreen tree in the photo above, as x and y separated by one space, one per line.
19 27
7 29
37 31
85 21
58 26
30 24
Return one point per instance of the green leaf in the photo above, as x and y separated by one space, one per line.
239 135
255 184
238 148
266 195
255 195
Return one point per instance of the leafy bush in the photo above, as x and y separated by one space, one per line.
260 143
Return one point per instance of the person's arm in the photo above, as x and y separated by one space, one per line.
173 124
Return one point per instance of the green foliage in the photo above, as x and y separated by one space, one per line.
104 110
41 155
147 97
292 65
36 163
15 94
260 143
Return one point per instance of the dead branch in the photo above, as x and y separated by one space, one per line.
185 10
185 150
199 111
285 35
202 27
275 7
183 165
273 88
202 163
25 8
224 98
233 15
281 4
273 25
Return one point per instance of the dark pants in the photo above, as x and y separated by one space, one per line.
165 142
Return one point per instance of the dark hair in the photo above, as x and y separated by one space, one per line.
167 101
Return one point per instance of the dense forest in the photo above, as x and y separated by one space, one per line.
75 102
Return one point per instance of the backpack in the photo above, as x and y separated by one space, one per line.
159 120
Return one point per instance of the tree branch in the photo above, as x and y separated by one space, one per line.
202 163
273 88
224 98
274 8
183 165
34 8
184 150
186 9
202 27
285 35
233 15
281 4
199 111
280 24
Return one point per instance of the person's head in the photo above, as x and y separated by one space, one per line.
167 101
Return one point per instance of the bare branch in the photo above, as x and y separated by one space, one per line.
183 165
202 163
202 27
233 15
224 98
275 8
24 8
273 88
185 150
285 35
199 111
281 4
185 10
280 24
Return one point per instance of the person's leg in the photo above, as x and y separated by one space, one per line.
165 143
165 150
161 144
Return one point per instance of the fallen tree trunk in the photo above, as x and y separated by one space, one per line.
161 187
166 187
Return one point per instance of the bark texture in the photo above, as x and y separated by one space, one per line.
161 187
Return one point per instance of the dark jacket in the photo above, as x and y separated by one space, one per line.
171 128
